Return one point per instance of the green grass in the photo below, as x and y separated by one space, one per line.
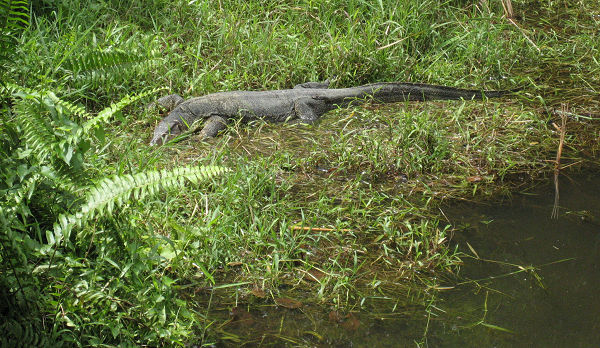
368 180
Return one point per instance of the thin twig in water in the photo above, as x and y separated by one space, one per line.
562 129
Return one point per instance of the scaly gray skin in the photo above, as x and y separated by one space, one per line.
305 103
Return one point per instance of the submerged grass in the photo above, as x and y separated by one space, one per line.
332 214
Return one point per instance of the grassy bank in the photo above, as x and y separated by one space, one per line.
331 215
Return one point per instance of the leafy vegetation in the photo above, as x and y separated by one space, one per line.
105 240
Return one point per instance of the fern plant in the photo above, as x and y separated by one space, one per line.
107 67
14 14
49 289
43 151
14 17
48 127
45 193
114 192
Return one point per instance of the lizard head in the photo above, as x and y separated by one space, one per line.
166 130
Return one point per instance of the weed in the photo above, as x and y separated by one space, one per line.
350 201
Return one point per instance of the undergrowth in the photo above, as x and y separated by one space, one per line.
105 240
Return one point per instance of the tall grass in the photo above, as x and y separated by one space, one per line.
353 196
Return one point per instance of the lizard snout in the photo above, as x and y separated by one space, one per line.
164 132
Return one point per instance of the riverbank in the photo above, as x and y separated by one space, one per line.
326 215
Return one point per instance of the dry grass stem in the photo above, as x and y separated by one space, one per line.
319 229
509 14
562 130
508 10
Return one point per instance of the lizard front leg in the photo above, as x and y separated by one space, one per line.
213 126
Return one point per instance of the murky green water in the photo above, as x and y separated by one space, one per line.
557 304
535 283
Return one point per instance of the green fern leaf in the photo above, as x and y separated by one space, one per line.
14 14
37 132
71 108
13 90
10 89
104 115
41 136
14 17
95 67
116 191
41 133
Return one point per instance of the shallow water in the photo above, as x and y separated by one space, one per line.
555 305
539 286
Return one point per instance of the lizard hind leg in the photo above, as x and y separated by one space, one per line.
308 110
213 126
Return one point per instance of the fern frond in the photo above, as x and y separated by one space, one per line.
26 332
41 138
41 143
9 89
114 192
109 66
14 17
43 135
73 181
14 14
104 115
71 108
37 133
